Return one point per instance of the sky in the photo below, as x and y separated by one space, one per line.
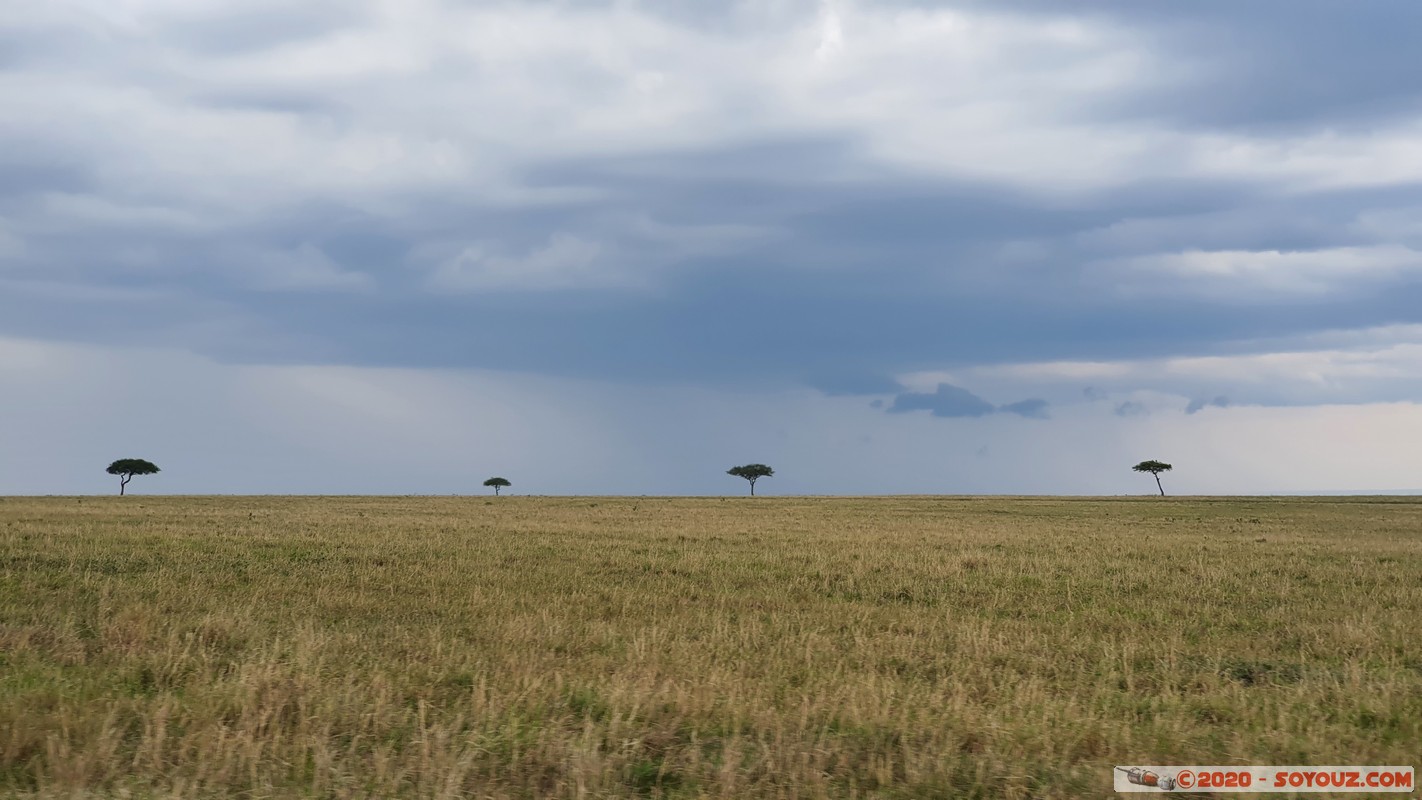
400 246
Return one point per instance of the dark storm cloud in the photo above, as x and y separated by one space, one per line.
798 251
1200 404
954 401
1275 64
798 304
1286 65
1032 409
946 401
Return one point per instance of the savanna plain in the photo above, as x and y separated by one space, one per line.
893 647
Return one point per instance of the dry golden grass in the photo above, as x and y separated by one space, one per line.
795 648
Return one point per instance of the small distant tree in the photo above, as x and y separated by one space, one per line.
1154 468
752 473
497 483
126 468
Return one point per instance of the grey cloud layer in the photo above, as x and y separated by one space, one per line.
831 194
954 401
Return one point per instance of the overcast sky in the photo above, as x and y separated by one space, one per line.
356 246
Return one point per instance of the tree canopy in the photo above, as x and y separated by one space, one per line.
752 473
1155 468
126 468
497 483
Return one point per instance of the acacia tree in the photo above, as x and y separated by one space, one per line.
1155 468
752 473
497 483
126 468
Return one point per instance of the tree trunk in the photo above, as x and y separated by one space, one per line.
1158 486
123 484
496 491
752 483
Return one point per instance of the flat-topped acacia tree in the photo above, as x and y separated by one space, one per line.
497 484
752 473
1155 468
126 468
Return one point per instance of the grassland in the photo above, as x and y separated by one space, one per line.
793 648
